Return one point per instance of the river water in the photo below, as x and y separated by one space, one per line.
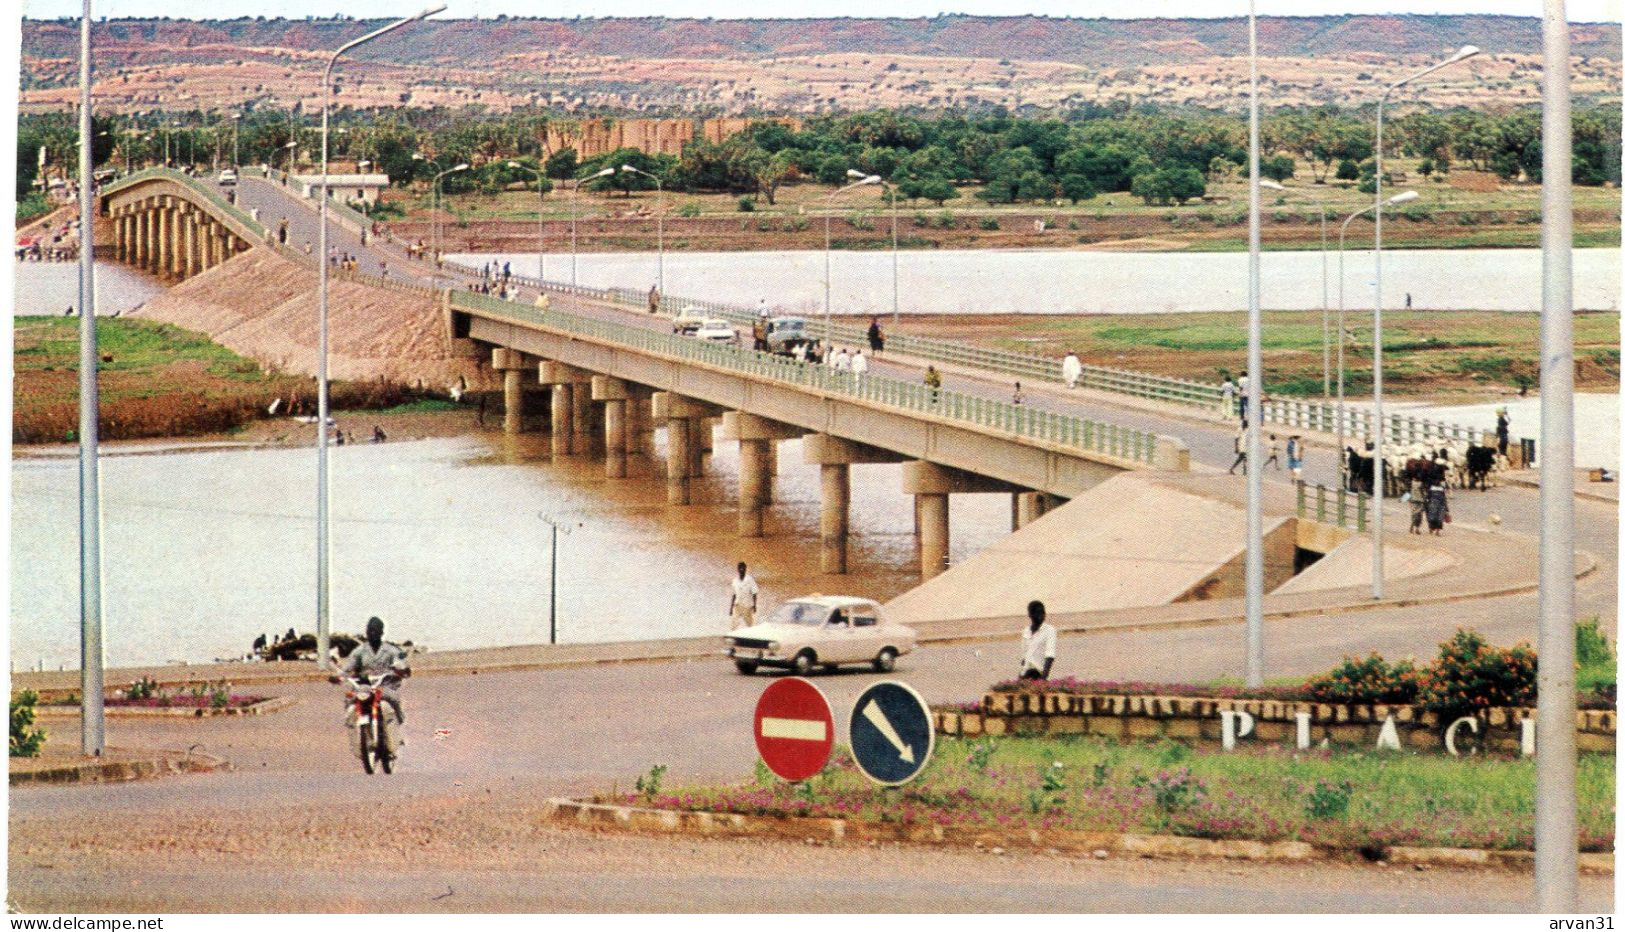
952 281
207 548
49 288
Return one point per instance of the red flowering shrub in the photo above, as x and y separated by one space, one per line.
1471 676
1366 681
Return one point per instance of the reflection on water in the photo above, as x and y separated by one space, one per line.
204 550
49 288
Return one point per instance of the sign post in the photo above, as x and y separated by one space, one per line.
795 729
891 733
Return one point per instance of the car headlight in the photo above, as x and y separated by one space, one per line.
772 645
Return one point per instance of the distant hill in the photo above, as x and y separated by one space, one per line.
798 65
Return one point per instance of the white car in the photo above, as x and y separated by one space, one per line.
228 176
688 320
821 631
716 330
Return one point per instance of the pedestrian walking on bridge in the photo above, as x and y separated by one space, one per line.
654 299
933 381
1241 451
877 341
1071 369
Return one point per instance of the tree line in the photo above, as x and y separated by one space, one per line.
1160 156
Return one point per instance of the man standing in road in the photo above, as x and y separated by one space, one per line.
654 299
1241 387
742 604
1037 644
1227 391
877 341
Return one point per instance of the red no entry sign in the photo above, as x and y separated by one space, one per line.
795 730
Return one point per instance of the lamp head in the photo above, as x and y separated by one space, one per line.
439 8
1403 197
1466 51
854 173
512 164
872 179
460 166
604 173
1272 184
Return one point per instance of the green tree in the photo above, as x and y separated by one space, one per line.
562 164
1077 188
1278 168
1173 183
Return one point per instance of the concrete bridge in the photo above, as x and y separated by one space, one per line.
610 380
173 226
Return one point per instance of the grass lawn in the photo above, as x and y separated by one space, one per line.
155 380
1340 798
1435 353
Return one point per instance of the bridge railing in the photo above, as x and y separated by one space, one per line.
214 197
1338 506
1048 426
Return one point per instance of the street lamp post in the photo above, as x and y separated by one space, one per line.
461 166
866 179
541 228
1466 51
322 575
1342 327
891 193
236 136
1556 818
1325 279
1255 380
575 189
92 730
660 227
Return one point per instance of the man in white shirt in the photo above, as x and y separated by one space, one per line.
742 604
860 364
842 361
1037 644
1071 369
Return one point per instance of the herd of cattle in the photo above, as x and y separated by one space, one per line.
1456 464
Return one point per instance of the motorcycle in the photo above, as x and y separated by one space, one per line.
372 722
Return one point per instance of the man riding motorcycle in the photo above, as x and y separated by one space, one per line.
382 662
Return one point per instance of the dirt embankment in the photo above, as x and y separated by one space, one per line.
265 307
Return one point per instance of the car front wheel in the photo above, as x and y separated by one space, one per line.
803 663
745 666
885 660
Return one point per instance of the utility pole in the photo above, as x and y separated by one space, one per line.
92 729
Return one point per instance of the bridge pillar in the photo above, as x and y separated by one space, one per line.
588 439
640 429
188 242
1027 507
211 246
931 484
141 231
699 442
511 363
161 240
932 509
152 251
679 413
758 443
566 383
835 457
613 393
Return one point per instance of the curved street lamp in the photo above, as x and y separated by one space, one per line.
1342 326
660 228
438 247
322 576
1466 52
864 179
1325 303
575 188
541 229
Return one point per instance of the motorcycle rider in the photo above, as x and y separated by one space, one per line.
376 657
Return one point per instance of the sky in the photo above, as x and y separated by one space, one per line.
1578 10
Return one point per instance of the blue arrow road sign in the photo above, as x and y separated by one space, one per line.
891 733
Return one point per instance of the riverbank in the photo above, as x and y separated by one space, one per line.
158 380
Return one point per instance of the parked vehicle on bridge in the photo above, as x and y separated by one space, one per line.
782 335
228 176
688 320
716 330
821 631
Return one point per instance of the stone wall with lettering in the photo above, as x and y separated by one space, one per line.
1232 722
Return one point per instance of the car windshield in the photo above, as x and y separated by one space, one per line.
801 613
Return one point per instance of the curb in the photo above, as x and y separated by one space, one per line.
258 708
1579 491
812 830
119 771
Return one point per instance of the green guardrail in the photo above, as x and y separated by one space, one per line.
205 191
1047 426
1333 506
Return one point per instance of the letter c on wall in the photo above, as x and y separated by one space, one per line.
1450 733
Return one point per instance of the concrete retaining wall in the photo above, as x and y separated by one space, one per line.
1201 720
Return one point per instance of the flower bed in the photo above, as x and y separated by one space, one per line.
1343 800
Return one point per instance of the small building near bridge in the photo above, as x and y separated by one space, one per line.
345 189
